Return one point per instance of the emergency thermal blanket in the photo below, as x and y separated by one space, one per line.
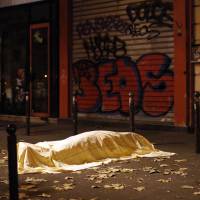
82 151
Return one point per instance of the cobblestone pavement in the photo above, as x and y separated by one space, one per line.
172 178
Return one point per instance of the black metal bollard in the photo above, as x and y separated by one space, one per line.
197 120
75 115
27 113
131 111
12 161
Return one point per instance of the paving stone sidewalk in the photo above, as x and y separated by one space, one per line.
172 178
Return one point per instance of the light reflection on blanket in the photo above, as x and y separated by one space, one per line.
82 151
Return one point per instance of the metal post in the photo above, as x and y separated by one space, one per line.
131 111
27 113
12 162
75 115
197 120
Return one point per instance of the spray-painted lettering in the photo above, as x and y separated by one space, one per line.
104 46
104 86
146 18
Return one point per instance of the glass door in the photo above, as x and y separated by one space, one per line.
12 70
39 68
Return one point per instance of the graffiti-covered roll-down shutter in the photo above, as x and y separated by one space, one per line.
196 44
123 46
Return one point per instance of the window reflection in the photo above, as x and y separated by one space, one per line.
13 60
39 53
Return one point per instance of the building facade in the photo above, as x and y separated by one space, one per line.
29 57
100 51
121 46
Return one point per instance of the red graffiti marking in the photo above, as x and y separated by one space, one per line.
85 78
110 100
116 81
157 83
104 87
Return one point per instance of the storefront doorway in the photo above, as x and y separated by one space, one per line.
29 59
40 69
14 54
12 70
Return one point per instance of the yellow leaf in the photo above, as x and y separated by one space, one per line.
44 195
68 186
165 180
139 189
115 186
182 160
196 193
187 187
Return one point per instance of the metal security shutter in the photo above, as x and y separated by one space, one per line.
121 46
196 43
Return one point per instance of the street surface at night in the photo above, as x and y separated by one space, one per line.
177 177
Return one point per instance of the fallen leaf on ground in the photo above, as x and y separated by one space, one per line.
196 193
187 187
68 186
165 180
147 169
181 172
95 186
4 197
139 189
140 180
153 171
91 177
164 165
4 151
4 181
34 180
69 178
5 158
57 188
2 161
27 187
98 181
44 195
183 168
126 170
167 172
56 181
100 176
181 160
115 186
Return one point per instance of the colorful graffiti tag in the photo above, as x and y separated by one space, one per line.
104 86
104 46
145 20
104 79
